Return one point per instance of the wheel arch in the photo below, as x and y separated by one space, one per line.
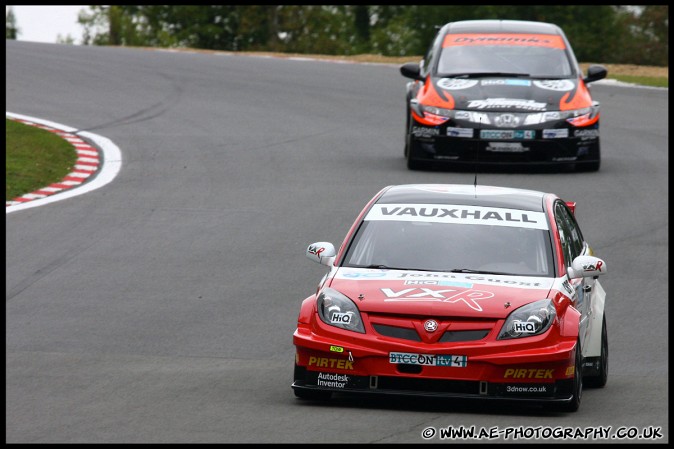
592 348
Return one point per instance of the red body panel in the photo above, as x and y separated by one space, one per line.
437 332
539 359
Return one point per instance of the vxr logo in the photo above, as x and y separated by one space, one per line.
468 296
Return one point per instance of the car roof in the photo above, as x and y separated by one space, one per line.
464 194
502 26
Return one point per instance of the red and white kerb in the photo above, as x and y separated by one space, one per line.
87 163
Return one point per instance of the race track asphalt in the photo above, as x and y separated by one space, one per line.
160 307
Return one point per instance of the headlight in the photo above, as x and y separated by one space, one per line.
337 310
532 319
471 116
583 117
436 111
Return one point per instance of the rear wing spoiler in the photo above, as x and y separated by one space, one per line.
572 206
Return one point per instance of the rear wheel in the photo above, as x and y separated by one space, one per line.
600 379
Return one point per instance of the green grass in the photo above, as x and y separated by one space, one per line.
643 80
34 158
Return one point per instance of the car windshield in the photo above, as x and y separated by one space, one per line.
532 61
453 247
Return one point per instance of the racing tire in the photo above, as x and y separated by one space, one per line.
577 384
590 166
412 164
410 146
600 379
407 133
313 395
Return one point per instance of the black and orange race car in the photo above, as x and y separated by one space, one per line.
456 291
501 92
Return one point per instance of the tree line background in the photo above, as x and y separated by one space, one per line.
605 34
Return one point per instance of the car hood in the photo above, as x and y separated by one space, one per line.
504 94
438 293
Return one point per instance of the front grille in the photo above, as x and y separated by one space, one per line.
405 333
397 332
455 336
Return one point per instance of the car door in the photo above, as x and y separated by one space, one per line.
573 246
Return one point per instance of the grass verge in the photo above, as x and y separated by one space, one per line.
34 158
644 80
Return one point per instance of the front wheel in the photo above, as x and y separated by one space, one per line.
410 151
407 131
590 166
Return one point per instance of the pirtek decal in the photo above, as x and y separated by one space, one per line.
522 373
325 362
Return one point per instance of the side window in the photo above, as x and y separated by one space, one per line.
564 234
569 233
428 58
576 236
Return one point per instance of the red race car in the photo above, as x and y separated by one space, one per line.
456 291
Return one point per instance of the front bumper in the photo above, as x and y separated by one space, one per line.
470 146
557 392
538 371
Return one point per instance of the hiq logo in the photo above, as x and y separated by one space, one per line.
343 318
415 282
524 327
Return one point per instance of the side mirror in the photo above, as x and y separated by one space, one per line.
411 70
595 73
586 266
322 252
